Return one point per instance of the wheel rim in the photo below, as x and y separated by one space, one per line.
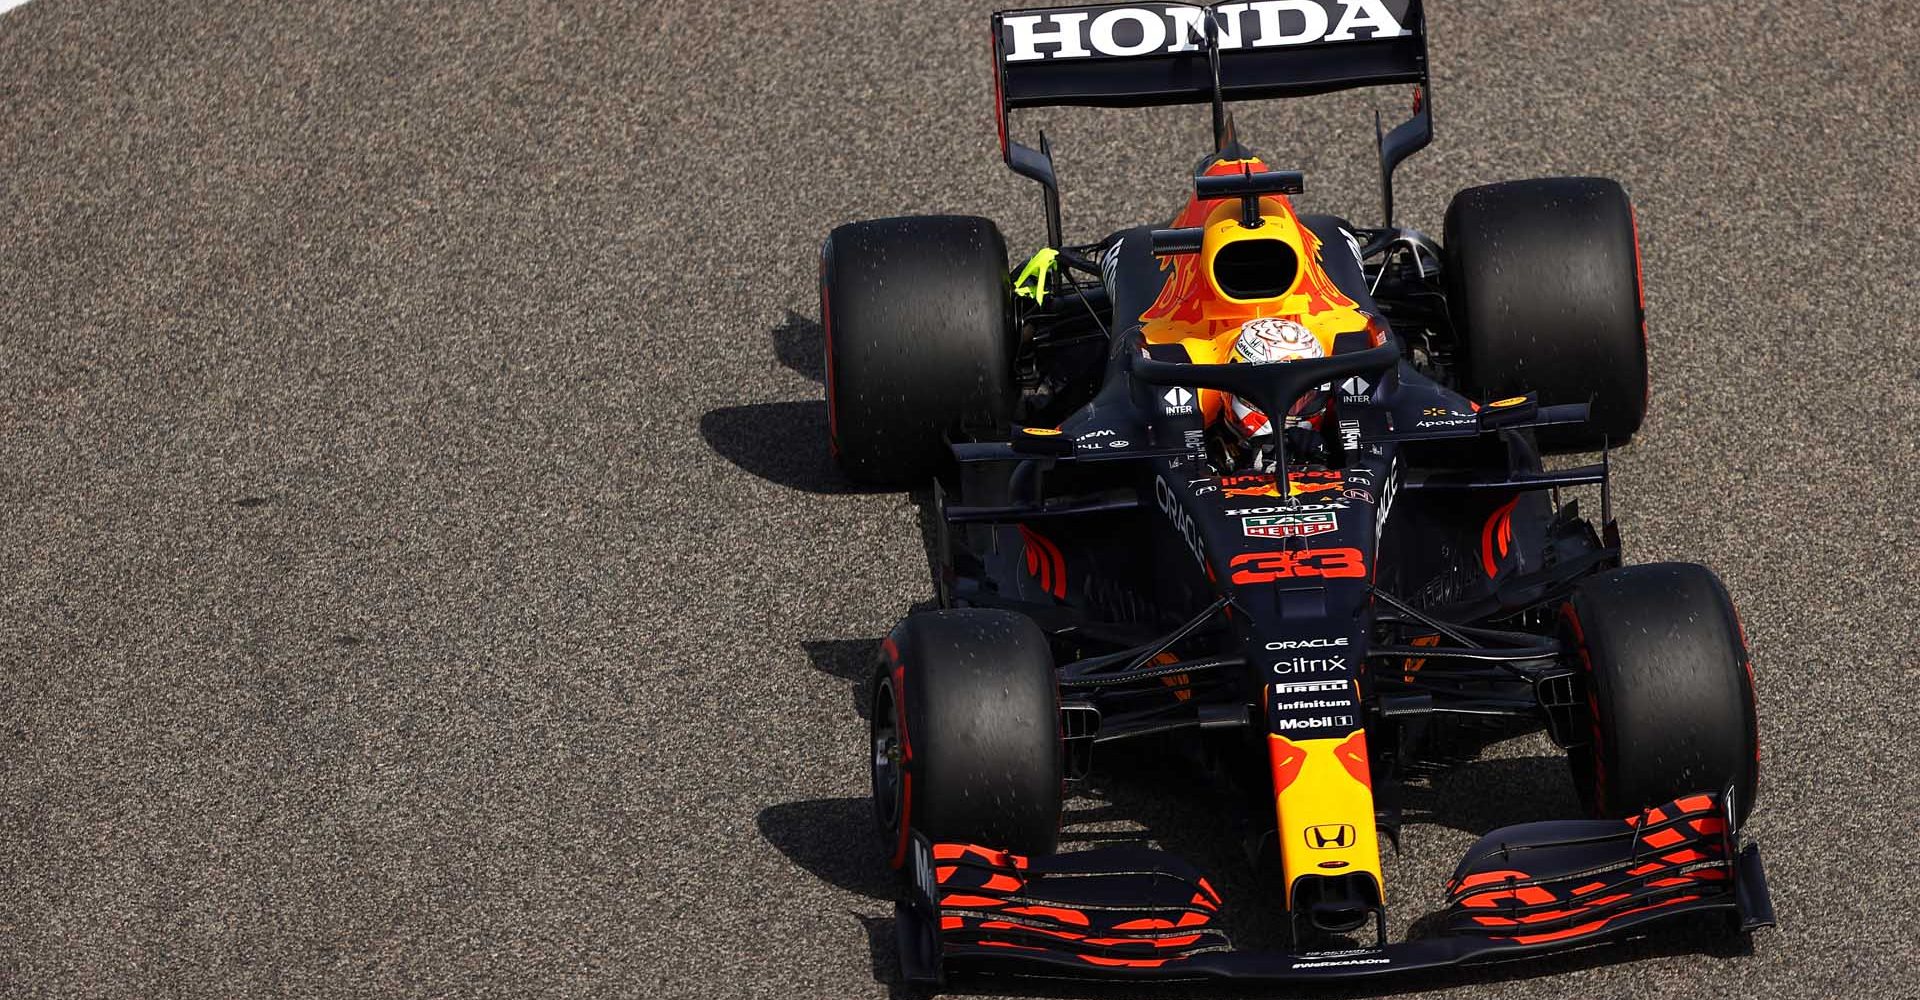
888 769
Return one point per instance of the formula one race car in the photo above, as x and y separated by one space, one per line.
1274 481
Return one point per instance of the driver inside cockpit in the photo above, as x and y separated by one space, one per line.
1264 287
1247 436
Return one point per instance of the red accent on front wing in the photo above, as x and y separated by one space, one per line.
1155 924
1010 944
1663 838
1136 963
970 902
987 855
1514 897
1526 895
1003 925
1695 803
1482 878
1595 925
1060 913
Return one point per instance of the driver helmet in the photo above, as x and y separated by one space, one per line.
1264 341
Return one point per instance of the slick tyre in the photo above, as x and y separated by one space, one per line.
1543 282
965 728
918 319
1669 689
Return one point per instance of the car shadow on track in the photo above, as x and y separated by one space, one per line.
834 840
1480 796
785 442
852 660
1456 783
801 344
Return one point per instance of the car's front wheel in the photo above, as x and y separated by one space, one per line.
1669 689
965 733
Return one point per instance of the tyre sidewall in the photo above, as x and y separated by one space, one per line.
1545 291
1670 689
979 711
916 314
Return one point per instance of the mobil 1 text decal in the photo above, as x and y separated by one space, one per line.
1339 722
1163 29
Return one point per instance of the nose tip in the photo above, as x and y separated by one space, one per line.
1338 918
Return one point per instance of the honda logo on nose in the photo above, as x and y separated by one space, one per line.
1330 836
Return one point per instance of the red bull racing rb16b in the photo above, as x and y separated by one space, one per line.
1273 483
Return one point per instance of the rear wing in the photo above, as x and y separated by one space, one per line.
1145 54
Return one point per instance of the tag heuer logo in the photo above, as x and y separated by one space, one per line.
1179 401
1290 525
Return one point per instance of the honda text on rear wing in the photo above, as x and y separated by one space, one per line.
1142 55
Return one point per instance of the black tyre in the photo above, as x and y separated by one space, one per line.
1544 285
966 733
917 313
1669 689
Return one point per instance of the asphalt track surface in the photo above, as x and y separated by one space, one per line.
421 572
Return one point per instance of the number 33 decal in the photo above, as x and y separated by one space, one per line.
1266 567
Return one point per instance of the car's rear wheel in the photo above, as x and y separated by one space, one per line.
965 733
1543 281
1669 689
917 313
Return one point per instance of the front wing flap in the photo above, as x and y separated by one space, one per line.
1133 912
1113 908
1559 881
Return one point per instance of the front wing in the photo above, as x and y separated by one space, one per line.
1137 913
